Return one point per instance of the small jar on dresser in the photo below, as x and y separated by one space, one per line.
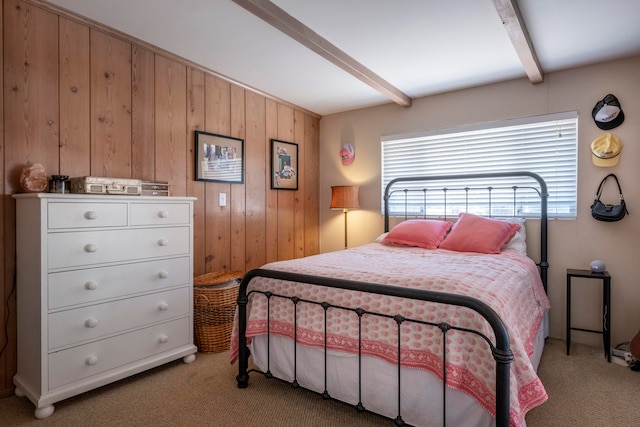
104 290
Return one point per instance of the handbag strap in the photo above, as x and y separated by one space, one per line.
601 186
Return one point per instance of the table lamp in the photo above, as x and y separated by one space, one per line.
345 197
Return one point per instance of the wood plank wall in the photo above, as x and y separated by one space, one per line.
85 100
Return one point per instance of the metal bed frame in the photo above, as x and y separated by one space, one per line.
500 349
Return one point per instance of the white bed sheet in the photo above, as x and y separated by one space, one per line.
421 391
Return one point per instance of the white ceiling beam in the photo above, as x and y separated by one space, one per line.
275 16
514 25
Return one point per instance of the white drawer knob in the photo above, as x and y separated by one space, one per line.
91 285
91 360
163 242
163 214
90 247
163 306
90 215
91 322
163 274
163 338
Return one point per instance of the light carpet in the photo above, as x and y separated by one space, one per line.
584 390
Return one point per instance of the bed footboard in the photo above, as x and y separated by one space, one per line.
500 349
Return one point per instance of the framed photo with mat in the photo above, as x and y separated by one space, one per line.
219 158
284 165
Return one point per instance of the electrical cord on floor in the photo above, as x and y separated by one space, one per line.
625 344
6 320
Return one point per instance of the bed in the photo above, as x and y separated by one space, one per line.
424 326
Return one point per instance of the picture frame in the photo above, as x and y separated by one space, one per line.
284 165
218 158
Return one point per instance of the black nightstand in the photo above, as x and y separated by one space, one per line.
606 307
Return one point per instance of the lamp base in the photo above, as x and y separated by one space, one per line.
346 211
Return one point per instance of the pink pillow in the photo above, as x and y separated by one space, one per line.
474 233
423 233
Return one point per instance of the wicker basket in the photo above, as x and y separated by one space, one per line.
214 306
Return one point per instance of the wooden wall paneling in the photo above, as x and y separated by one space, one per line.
143 150
75 99
286 198
217 229
171 124
31 88
272 195
110 106
7 296
256 172
237 204
299 199
217 105
312 186
195 121
218 219
83 99
30 132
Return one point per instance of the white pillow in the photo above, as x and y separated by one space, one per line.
381 237
519 240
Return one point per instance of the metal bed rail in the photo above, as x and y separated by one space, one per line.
500 350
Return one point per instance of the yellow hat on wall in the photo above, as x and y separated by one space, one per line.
605 150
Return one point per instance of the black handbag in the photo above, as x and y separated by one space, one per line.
608 213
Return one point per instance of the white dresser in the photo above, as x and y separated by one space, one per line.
104 290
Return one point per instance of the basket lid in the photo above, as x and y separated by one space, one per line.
216 278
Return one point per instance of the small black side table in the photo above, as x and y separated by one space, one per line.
606 307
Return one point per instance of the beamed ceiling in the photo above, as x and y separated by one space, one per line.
336 55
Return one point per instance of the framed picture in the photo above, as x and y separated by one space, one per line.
284 165
219 158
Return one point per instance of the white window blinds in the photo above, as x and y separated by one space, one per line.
546 145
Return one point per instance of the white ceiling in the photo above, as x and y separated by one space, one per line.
421 47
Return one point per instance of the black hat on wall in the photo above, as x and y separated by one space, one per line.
607 113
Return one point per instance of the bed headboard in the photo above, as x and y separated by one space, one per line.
465 192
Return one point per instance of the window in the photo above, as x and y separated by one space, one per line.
546 145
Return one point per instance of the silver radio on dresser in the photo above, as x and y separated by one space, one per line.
103 185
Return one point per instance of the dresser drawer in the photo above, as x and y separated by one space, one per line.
160 214
82 286
80 248
94 321
97 357
86 214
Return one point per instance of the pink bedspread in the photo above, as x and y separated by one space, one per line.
509 283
